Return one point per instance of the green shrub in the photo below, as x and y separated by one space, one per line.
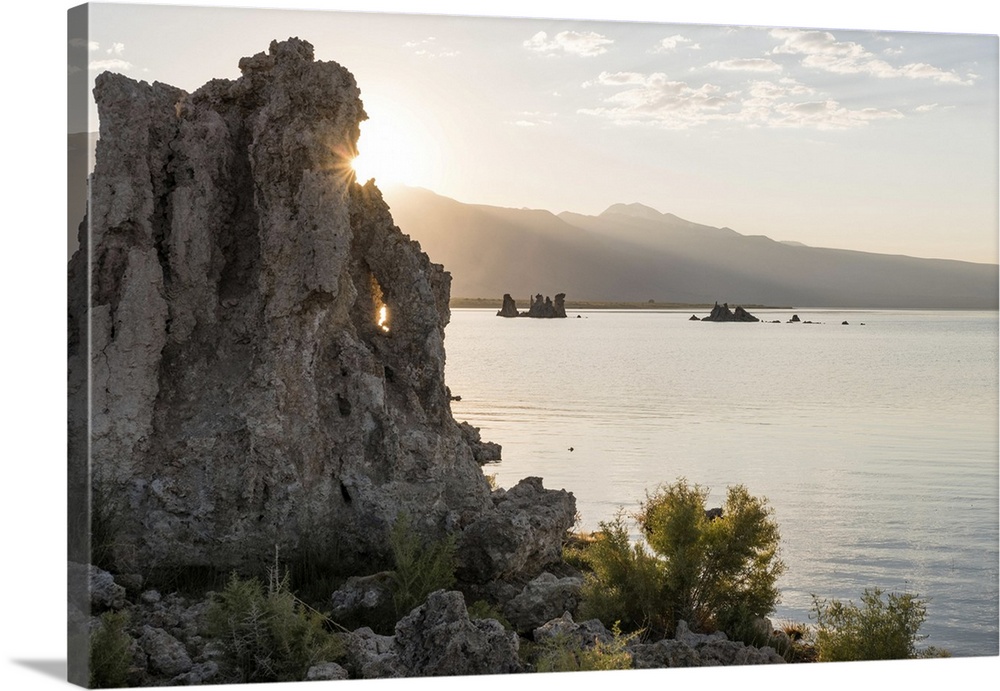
625 583
713 573
110 652
563 653
481 609
420 567
269 635
877 629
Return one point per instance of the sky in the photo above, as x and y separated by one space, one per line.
875 140
33 281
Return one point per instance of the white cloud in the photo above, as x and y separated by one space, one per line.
824 52
425 49
746 65
671 43
116 49
113 64
654 99
582 43
926 108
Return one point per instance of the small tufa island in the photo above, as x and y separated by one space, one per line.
722 313
541 307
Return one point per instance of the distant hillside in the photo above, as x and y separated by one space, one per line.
634 253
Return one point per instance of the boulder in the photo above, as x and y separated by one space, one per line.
93 590
584 634
328 671
439 639
201 673
436 639
372 656
167 655
522 535
543 599
361 594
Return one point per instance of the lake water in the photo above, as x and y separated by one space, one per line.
876 445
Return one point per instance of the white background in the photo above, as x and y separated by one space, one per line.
32 193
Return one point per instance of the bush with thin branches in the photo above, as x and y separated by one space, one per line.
267 634
877 629
715 573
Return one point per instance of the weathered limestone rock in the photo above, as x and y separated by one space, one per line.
361 594
435 639
373 656
509 308
585 634
722 313
482 451
329 671
244 395
521 535
543 599
93 590
544 308
166 654
439 639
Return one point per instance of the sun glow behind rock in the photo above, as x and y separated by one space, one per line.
395 148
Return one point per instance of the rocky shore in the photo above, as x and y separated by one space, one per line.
256 381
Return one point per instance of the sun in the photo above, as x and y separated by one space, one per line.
394 149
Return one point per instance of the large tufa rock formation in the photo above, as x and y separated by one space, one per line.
542 307
249 391
722 313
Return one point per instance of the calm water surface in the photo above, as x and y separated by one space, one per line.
876 445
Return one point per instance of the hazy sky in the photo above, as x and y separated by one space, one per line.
872 140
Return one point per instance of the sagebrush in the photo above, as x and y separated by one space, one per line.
875 629
267 634
714 572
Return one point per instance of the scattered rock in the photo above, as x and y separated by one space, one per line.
689 649
543 599
328 671
795 319
201 673
93 590
439 639
585 634
521 536
166 654
694 318
844 323
361 594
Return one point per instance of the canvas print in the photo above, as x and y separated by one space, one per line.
419 346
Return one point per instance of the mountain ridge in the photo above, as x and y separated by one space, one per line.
633 252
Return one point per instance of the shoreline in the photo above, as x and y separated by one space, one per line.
492 303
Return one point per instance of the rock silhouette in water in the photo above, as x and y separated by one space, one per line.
542 307
509 308
265 348
722 313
